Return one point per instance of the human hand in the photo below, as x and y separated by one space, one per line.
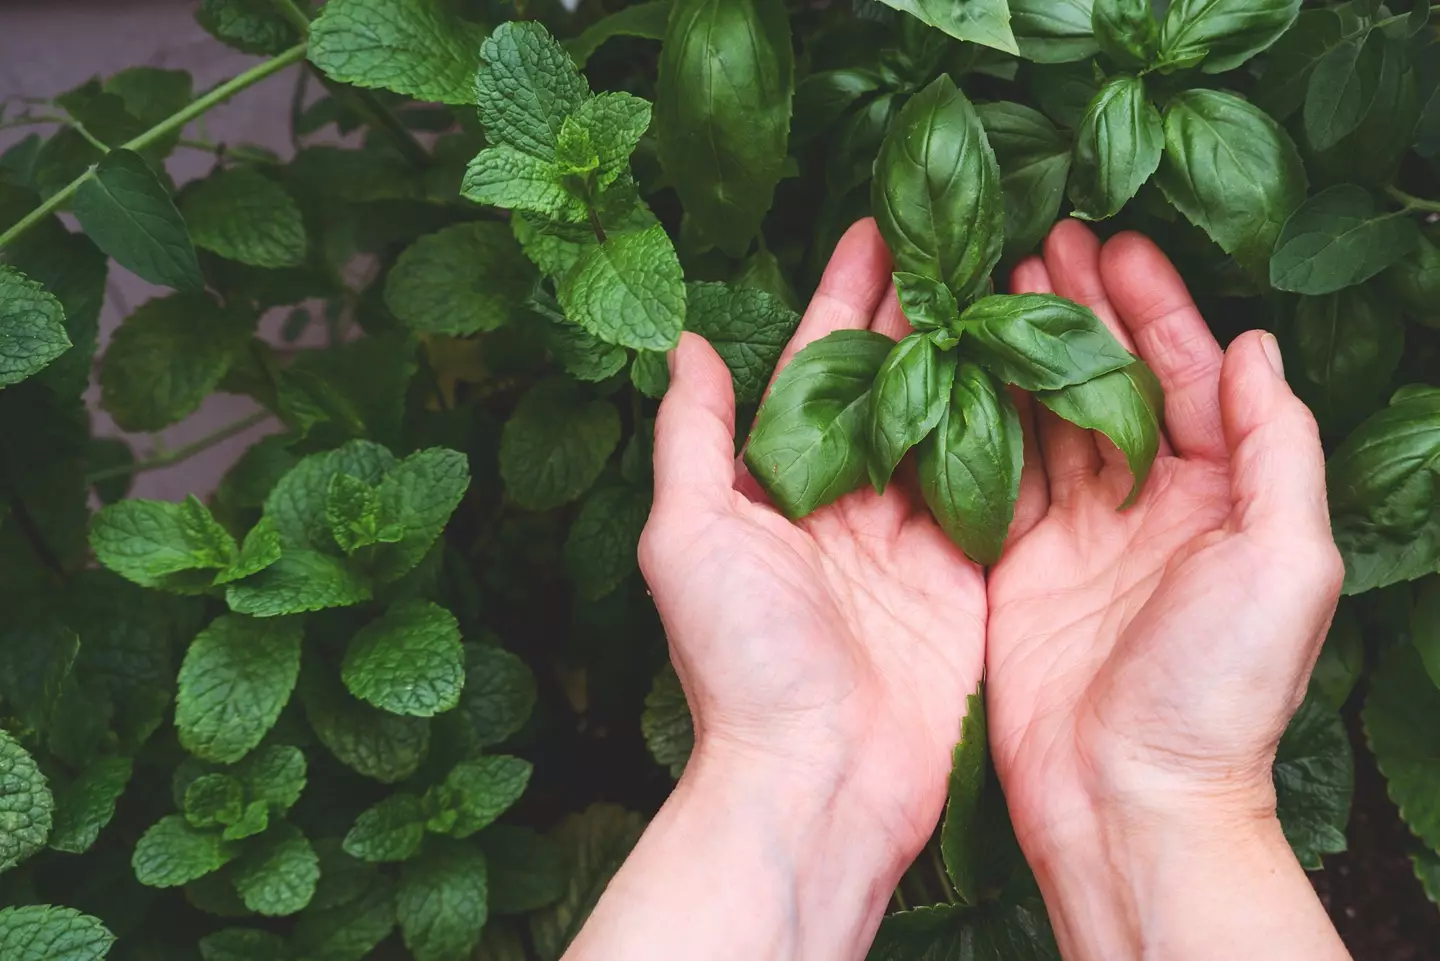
1143 664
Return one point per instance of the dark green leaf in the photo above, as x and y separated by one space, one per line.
1349 344
478 791
1126 31
32 327
998 931
1341 660
26 805
85 806
1054 31
237 677
961 830
1125 405
645 20
629 291
527 870
1224 33
375 743
601 549
748 328
390 831
1117 148
277 875
173 853
348 932
555 445
1040 341
1314 775
409 661
1283 87
499 693
985 22
1342 87
1034 160
1425 626
1402 723
441 902
1339 238
596 842
909 396
129 215
246 217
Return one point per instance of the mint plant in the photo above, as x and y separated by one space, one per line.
387 690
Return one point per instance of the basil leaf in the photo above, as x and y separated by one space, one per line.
1002 930
822 98
1402 716
1126 31
129 215
1127 406
1414 282
1383 494
970 466
1040 341
910 394
723 112
1232 171
645 20
1342 88
985 22
1371 153
1053 31
1292 61
1063 91
1034 159
1117 148
927 304
1349 344
936 193
808 446
1339 238
1224 33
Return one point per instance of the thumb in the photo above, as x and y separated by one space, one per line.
695 430
1277 466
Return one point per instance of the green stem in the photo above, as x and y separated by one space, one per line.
182 453
294 14
1413 202
942 874
161 130
30 120
93 140
378 117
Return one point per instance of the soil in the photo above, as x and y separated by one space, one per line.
1371 891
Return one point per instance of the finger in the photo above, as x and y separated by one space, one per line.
1072 256
1277 466
1034 499
890 319
695 430
1172 338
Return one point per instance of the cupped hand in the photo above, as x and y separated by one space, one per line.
1143 664
836 651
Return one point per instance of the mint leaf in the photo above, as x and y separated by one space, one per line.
244 216
39 932
1314 775
352 509
149 542
243 944
297 582
613 123
129 215
167 357
628 291
214 800
409 661
377 744
526 87
252 26
273 775
527 870
461 280
666 724
390 831
499 693
348 932
408 46
85 806
418 496
297 502
748 328
236 678
277 877
255 819
441 903
555 444
481 790
342 877
32 327
601 549
507 177
26 806
260 549
173 853
597 843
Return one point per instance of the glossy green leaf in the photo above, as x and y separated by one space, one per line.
1339 238
1117 148
1040 341
1342 88
1034 159
1292 61
129 215
1054 31
1224 33
927 304
1349 344
32 327
984 22
909 396
1127 31
1127 406
1402 724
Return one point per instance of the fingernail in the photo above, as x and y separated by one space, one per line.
1272 354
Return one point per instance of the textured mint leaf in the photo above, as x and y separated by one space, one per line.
441 903
596 843
129 215
555 444
32 327
342 877
995 931
297 582
173 853
509 178
348 932
243 944
666 723
418 495
255 819
26 806
277 876
390 831
499 693
273 775
601 549
252 26
214 800
628 291
409 661
86 805
408 46
260 549
1314 779
297 501
613 123
527 870
352 509
748 329
245 216
39 932
1402 724
167 357
150 541
236 678
650 373
526 87
479 791
377 744
461 280
74 271
501 941
37 656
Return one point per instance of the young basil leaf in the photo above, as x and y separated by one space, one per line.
808 447
936 193
1232 171
908 398
1282 89
985 22
1040 341
1117 148
1127 406
1063 91
927 304
1339 238
1224 33
129 215
970 466
1349 344
1382 483
1053 31
1126 31
1342 88
723 132
822 98
1034 159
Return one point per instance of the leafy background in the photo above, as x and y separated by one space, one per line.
395 688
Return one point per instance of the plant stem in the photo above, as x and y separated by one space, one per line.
596 225
942 874
94 141
377 116
294 14
163 129
182 453
1413 202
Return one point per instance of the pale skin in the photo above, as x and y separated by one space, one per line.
1141 665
